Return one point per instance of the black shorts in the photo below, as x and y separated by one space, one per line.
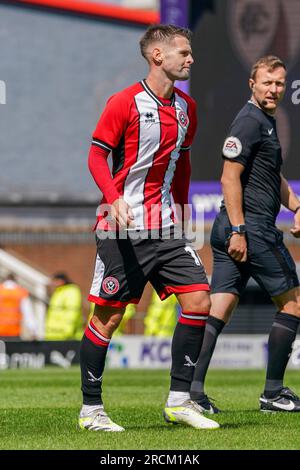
124 266
269 261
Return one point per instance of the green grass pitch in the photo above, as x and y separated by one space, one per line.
39 409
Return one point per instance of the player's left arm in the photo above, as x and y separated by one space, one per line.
291 202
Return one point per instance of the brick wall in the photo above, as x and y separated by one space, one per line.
77 259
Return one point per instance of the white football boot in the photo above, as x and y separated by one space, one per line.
190 413
98 421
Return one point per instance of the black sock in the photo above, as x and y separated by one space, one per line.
186 345
93 352
282 336
213 328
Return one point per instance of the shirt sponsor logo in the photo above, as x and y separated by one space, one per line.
110 285
149 117
232 147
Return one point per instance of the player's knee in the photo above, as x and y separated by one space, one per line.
289 302
198 304
205 305
107 319
115 321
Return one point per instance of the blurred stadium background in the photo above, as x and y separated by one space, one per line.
60 61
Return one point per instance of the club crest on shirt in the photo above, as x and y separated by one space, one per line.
110 285
232 147
182 118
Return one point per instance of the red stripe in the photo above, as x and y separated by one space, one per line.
168 290
99 9
187 321
92 337
156 174
132 141
111 303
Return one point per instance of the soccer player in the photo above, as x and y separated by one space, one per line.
245 240
149 128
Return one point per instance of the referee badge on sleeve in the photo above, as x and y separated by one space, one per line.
232 147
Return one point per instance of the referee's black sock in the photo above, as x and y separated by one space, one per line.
213 328
186 345
282 336
93 350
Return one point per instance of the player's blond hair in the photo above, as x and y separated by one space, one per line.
270 61
162 33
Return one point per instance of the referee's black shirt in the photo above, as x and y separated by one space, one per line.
253 142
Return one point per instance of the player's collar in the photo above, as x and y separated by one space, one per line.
156 98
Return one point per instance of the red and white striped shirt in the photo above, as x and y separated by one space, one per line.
147 135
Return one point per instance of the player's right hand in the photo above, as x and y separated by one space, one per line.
237 247
122 213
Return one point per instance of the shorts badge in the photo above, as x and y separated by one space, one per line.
110 285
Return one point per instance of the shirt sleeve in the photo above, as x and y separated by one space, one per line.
100 171
112 123
244 138
192 115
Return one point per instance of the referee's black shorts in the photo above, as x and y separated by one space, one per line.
269 261
124 266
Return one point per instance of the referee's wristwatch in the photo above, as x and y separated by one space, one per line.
241 229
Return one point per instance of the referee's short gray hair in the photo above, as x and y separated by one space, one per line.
270 61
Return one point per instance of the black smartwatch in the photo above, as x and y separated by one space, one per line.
238 229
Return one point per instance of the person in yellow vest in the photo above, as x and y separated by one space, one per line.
64 319
161 317
16 312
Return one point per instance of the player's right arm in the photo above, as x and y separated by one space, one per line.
110 129
100 171
238 150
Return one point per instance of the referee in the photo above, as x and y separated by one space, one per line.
245 240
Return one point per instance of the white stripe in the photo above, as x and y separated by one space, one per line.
96 333
149 139
98 277
195 317
101 145
151 93
180 105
